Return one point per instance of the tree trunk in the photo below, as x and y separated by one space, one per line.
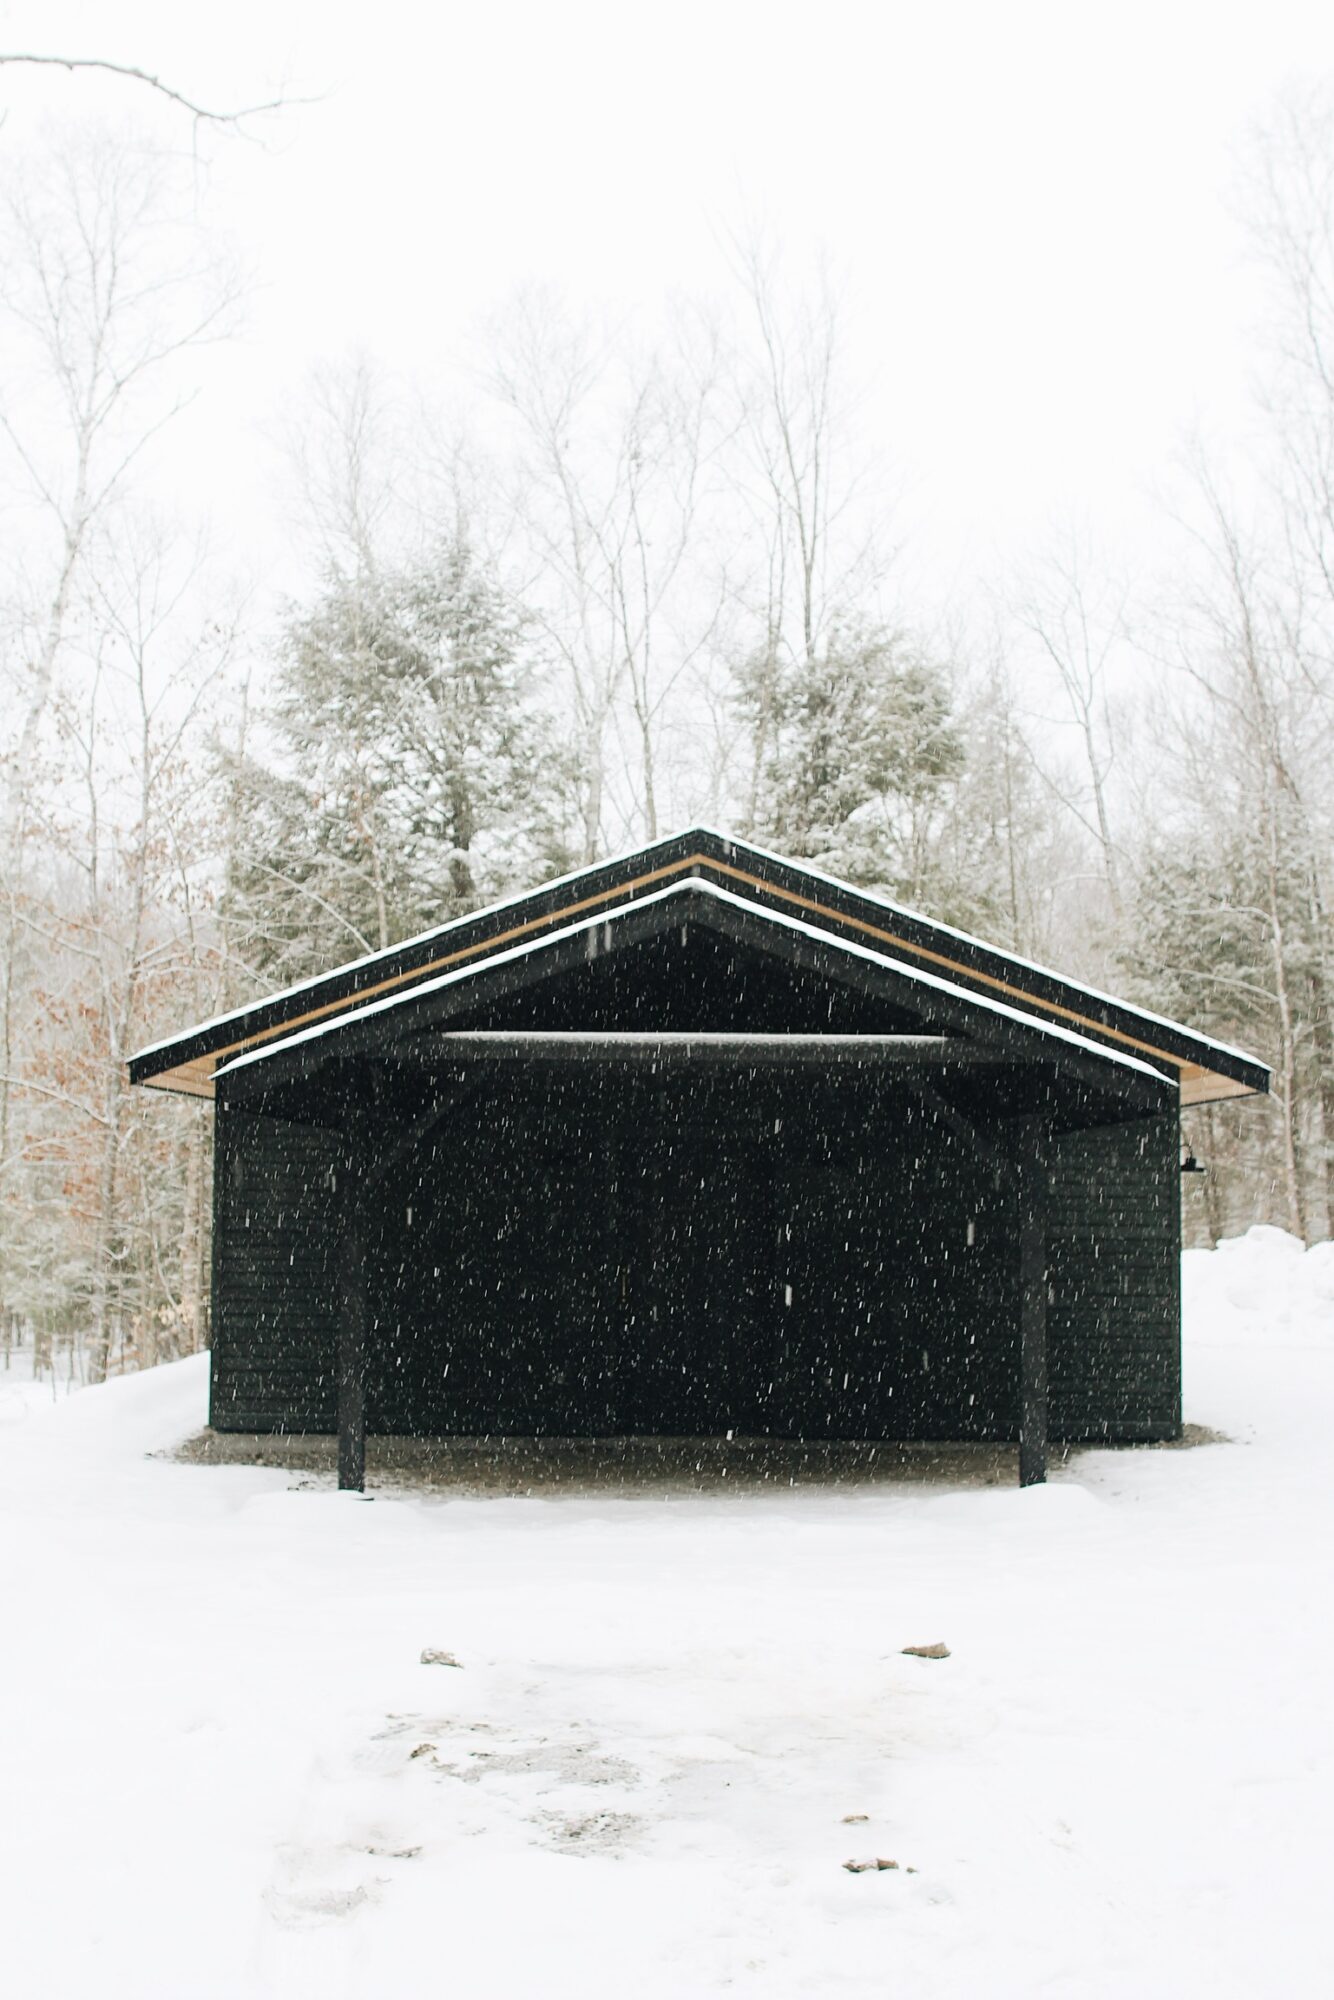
191 1249
1287 1099
105 1245
1322 1041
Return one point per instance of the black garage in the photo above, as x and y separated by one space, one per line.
697 1141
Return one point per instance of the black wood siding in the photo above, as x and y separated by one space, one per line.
1114 1331
778 1254
274 1275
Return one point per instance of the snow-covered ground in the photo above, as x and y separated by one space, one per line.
223 1771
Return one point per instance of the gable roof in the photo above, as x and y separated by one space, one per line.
762 883
661 910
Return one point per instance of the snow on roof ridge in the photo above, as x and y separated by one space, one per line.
357 1015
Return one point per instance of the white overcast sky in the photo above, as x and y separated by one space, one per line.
1030 202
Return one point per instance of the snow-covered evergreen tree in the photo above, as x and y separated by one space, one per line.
408 781
864 745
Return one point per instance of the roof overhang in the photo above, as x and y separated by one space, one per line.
829 915
988 1029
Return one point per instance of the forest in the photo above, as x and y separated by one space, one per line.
654 575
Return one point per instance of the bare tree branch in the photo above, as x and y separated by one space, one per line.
203 114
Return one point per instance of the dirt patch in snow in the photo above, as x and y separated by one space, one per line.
548 1467
523 1468
1191 1435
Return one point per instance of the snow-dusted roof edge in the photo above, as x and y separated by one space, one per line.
998 951
306 986
410 943
695 886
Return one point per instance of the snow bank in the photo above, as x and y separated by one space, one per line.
123 1418
1261 1289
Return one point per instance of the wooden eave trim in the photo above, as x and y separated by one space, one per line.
190 1080
1206 1086
1199 1085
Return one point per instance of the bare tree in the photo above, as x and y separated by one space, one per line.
348 452
613 466
1076 617
202 114
103 289
1261 676
816 550
132 842
1288 203
1288 209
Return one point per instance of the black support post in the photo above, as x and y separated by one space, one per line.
1033 1282
353 1309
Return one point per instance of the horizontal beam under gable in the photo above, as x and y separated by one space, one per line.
725 1049
380 1030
